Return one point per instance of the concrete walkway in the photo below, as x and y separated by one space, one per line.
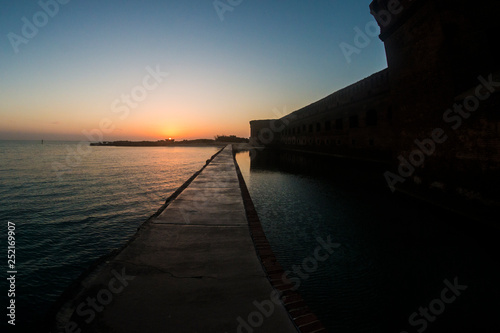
194 268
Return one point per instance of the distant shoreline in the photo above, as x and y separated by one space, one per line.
154 145
165 143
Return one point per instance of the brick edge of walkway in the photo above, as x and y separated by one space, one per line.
305 320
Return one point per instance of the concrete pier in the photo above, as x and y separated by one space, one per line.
193 268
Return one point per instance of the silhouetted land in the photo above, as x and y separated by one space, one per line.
219 141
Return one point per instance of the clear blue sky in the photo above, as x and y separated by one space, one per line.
263 56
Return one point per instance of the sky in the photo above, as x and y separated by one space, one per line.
151 70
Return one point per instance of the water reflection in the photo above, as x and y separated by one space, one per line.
395 252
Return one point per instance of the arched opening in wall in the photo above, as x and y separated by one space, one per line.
311 128
311 141
371 118
353 121
339 124
304 128
318 127
328 125
318 142
339 142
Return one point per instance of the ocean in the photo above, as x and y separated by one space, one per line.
71 205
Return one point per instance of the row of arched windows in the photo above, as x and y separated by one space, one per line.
371 119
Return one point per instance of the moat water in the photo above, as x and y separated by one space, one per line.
394 256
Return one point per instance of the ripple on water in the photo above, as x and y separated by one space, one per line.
63 225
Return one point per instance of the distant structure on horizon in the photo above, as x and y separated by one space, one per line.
432 115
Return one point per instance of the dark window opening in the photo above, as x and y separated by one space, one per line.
353 121
339 124
318 127
328 125
371 118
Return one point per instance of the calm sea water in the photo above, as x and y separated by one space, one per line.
394 254
65 221
393 257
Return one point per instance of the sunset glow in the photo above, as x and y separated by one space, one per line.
173 69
